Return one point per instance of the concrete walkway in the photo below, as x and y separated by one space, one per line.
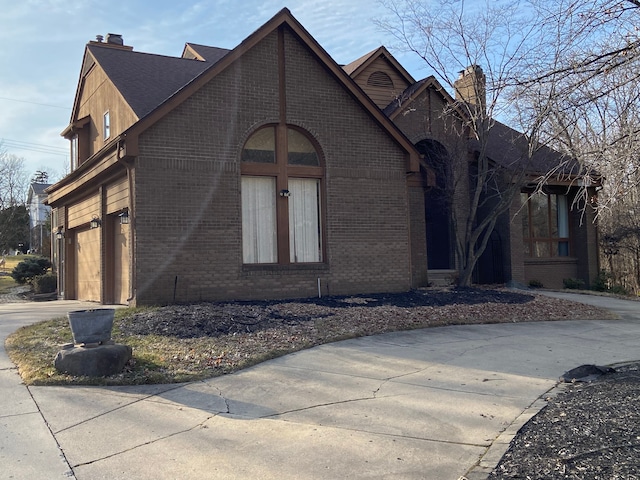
439 403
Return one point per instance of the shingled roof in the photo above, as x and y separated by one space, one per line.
505 146
204 52
510 148
146 80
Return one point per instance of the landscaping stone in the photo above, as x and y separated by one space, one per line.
98 361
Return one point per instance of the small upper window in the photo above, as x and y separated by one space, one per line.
301 150
107 126
261 147
380 79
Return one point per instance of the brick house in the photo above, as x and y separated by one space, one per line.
546 235
266 171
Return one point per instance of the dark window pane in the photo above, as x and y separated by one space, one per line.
301 150
563 249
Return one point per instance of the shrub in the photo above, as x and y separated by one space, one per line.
30 268
601 283
535 284
573 283
47 283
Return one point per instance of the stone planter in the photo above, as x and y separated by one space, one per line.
91 326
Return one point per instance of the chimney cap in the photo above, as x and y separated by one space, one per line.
99 38
115 38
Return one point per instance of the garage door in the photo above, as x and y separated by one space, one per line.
121 264
88 265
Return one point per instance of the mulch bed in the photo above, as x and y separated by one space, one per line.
589 431
414 309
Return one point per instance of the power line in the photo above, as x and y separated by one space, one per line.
20 142
34 147
34 103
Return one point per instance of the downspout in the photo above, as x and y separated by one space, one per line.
128 163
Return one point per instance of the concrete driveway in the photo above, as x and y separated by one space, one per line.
438 403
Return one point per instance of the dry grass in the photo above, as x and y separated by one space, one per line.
192 342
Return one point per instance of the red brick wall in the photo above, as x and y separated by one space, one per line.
187 196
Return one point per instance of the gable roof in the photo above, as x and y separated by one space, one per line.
284 17
145 80
505 146
203 52
412 92
36 190
356 67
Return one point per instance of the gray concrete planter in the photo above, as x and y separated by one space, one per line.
91 326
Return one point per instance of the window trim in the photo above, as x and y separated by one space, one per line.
282 171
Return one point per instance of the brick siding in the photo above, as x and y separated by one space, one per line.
187 193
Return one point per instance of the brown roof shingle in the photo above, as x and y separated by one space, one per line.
146 80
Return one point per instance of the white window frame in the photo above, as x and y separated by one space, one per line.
106 125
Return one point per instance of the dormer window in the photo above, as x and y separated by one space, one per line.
106 126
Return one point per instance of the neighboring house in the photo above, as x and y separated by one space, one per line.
266 171
39 233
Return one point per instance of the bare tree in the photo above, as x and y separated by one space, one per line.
14 218
594 100
13 180
541 58
500 37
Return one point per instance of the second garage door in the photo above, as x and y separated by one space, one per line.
88 265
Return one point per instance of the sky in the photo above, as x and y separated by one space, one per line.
42 44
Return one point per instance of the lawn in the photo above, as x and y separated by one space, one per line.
6 282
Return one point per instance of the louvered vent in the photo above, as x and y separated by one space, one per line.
380 79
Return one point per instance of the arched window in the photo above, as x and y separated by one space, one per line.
281 197
380 79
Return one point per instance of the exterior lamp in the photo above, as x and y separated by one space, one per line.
60 233
124 217
95 222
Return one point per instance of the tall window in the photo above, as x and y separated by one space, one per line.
106 126
281 198
74 152
545 225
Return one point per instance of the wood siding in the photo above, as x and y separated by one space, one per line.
381 96
98 96
81 213
117 196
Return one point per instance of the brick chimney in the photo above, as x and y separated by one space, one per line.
471 87
114 40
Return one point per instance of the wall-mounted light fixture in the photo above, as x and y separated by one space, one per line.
285 193
124 217
95 222
60 233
